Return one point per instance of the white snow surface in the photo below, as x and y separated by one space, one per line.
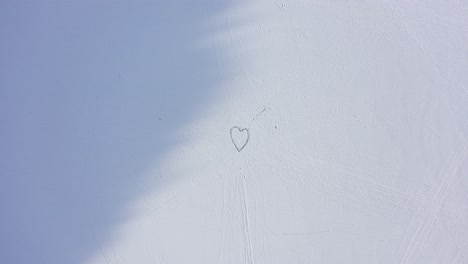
335 132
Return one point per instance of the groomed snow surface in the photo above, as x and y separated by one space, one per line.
252 132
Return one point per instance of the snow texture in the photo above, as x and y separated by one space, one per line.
242 132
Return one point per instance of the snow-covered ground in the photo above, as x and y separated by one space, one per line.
246 132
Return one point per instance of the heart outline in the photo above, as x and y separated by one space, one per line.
234 142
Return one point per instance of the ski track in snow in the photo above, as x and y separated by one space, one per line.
421 234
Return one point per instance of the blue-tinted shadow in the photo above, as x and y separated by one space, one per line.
91 94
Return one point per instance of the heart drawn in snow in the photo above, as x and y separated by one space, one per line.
240 137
